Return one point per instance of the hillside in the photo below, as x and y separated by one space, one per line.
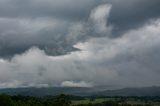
40 92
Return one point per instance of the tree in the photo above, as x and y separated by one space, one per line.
62 100
6 101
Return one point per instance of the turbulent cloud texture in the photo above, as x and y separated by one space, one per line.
80 44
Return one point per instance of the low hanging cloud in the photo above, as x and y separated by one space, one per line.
75 84
95 57
129 60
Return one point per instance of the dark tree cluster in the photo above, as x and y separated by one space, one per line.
61 100
65 100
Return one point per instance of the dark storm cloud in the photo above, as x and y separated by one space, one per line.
18 35
128 61
44 24
56 25
129 14
41 38
65 9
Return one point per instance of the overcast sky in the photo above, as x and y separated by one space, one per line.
80 43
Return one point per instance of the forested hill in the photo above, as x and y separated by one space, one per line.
40 92
143 91
47 91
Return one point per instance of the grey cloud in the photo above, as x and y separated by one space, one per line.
38 35
129 14
54 35
18 35
131 60
56 25
65 9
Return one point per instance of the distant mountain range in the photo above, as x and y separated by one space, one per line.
143 91
78 91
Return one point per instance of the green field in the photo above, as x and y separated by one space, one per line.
87 101
121 101
68 100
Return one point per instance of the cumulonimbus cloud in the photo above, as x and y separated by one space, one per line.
129 60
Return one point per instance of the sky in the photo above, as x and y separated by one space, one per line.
79 43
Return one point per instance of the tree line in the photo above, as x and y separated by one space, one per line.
66 100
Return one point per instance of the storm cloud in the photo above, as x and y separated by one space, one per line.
79 43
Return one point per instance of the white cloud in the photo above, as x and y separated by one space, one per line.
99 17
75 84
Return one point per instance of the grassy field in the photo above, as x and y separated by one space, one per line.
87 101
131 101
